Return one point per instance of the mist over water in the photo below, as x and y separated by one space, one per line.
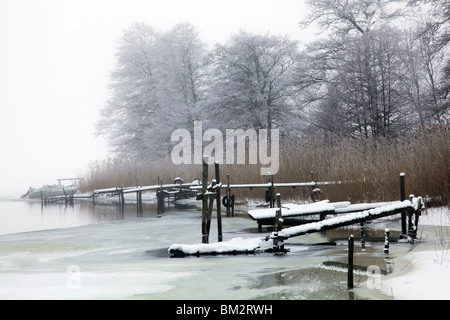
24 216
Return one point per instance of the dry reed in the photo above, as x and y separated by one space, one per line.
369 167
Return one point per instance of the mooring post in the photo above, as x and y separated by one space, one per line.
410 220
121 197
137 202
272 190
278 215
363 240
232 204
278 243
386 241
228 195
210 199
158 201
140 202
204 199
160 198
219 205
402 198
350 262
66 199
417 213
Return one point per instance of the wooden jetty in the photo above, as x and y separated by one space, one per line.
348 219
346 214
252 245
322 208
174 191
169 192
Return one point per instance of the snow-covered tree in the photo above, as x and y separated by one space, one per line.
254 82
347 16
156 87
130 111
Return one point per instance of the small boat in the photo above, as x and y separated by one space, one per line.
51 191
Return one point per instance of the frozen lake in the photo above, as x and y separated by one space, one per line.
98 252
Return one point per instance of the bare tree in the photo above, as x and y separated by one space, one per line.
345 16
254 81
156 88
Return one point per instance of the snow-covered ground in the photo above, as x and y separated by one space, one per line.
424 273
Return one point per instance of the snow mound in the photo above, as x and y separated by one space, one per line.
235 245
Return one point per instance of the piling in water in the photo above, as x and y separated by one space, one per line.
219 205
350 262
402 198
386 241
363 240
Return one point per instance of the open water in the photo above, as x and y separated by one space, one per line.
99 252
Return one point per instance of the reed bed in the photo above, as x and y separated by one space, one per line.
368 168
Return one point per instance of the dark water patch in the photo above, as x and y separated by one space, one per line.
157 253
373 234
309 283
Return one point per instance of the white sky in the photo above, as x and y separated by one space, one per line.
55 60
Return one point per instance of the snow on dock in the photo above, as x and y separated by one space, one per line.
281 184
321 207
347 219
233 246
145 188
293 210
362 206
245 246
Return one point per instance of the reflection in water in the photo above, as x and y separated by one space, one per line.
31 215
310 283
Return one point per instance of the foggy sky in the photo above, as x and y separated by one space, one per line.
55 61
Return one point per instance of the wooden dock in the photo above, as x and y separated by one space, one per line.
348 219
291 212
164 192
252 245
347 214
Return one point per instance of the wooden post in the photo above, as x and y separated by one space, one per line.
121 197
363 240
228 194
386 241
350 262
271 192
66 199
417 213
139 202
278 215
158 204
210 201
160 198
219 205
402 198
204 199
